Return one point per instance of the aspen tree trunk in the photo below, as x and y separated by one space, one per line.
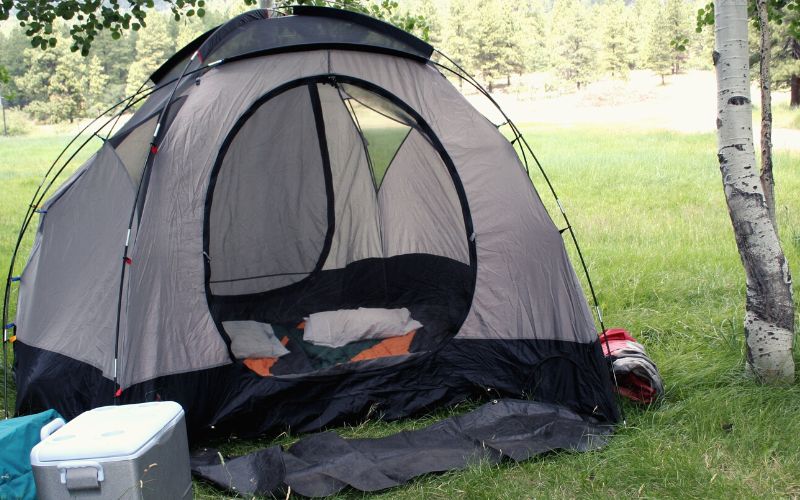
769 309
767 180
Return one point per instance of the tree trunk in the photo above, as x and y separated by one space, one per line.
794 100
769 308
767 180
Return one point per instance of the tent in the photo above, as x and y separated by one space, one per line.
283 173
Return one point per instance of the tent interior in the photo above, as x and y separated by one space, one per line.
331 195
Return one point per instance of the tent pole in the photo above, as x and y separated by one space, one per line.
38 197
463 75
148 162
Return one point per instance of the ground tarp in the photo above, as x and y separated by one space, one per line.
325 463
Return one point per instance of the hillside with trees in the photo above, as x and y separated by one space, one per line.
570 43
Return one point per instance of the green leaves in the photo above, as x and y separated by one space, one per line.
705 16
87 18
779 11
679 43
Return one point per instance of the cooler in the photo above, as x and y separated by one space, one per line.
116 452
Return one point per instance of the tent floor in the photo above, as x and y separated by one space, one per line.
436 290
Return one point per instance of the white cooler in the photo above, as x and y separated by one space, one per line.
116 452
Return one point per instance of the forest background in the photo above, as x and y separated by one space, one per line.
535 48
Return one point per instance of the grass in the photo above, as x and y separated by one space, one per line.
783 116
650 214
786 116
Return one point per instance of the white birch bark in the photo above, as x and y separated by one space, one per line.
769 309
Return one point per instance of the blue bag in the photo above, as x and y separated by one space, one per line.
17 437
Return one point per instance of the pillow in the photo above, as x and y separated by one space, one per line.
251 339
337 328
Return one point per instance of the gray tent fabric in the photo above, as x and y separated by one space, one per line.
269 207
420 210
525 285
334 175
323 464
358 233
168 328
134 148
69 289
514 232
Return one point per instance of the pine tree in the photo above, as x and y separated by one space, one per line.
786 61
188 30
660 53
35 82
68 87
153 46
701 46
98 91
115 57
429 10
495 53
13 45
55 83
618 45
531 36
458 41
677 21
645 14
573 45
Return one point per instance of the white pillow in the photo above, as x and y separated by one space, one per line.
337 328
251 339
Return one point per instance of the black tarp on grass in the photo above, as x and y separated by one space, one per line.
325 463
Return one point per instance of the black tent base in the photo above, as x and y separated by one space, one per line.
231 399
325 463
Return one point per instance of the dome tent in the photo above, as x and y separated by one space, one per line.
282 168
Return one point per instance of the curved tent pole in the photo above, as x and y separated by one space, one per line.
518 137
460 72
148 162
127 106
38 197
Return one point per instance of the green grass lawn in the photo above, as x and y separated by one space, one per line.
783 116
649 211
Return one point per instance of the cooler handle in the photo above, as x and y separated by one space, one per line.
79 464
50 428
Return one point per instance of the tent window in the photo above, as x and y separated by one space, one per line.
303 214
382 135
270 215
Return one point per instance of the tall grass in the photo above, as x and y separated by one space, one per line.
783 115
650 215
